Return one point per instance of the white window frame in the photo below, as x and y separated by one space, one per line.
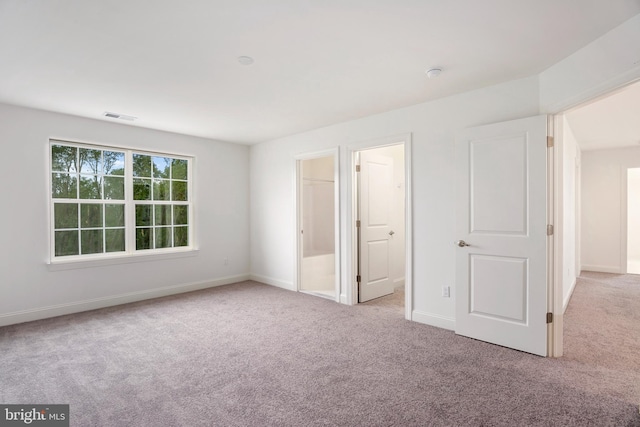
130 254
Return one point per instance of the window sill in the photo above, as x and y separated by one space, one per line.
76 263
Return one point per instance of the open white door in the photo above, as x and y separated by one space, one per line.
501 263
376 202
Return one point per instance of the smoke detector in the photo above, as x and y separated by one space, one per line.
245 60
434 72
119 116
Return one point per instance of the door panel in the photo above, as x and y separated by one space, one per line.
498 191
501 277
493 275
377 266
376 202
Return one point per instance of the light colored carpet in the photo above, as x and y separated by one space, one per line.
602 331
394 302
254 355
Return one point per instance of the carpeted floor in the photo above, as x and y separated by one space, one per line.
254 355
602 331
394 302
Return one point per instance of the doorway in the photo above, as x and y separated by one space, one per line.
380 194
596 153
317 212
633 220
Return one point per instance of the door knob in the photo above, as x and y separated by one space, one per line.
391 233
461 243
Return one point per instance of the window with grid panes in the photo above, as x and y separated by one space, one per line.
113 201
160 194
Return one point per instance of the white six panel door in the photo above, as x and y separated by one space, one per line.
501 276
376 203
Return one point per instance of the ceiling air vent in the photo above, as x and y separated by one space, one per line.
119 116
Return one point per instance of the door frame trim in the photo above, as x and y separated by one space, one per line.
555 241
351 287
297 211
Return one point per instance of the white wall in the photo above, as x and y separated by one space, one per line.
604 207
30 290
570 159
607 63
432 126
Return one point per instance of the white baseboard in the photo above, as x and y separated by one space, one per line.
434 320
271 281
565 303
398 283
96 303
601 268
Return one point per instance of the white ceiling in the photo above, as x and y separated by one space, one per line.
174 64
610 122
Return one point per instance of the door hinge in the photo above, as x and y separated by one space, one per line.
549 317
550 230
357 168
357 223
549 141
358 278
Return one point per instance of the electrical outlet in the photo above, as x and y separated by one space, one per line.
446 291
226 261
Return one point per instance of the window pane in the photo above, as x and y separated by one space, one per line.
180 214
90 187
114 240
66 243
163 214
65 215
114 216
64 186
163 237
113 163
142 165
143 238
178 169
89 176
63 159
141 189
161 167
143 215
90 215
179 192
181 236
90 161
113 188
161 189
91 241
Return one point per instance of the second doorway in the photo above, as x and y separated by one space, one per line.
380 221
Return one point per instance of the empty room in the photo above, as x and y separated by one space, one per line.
301 213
